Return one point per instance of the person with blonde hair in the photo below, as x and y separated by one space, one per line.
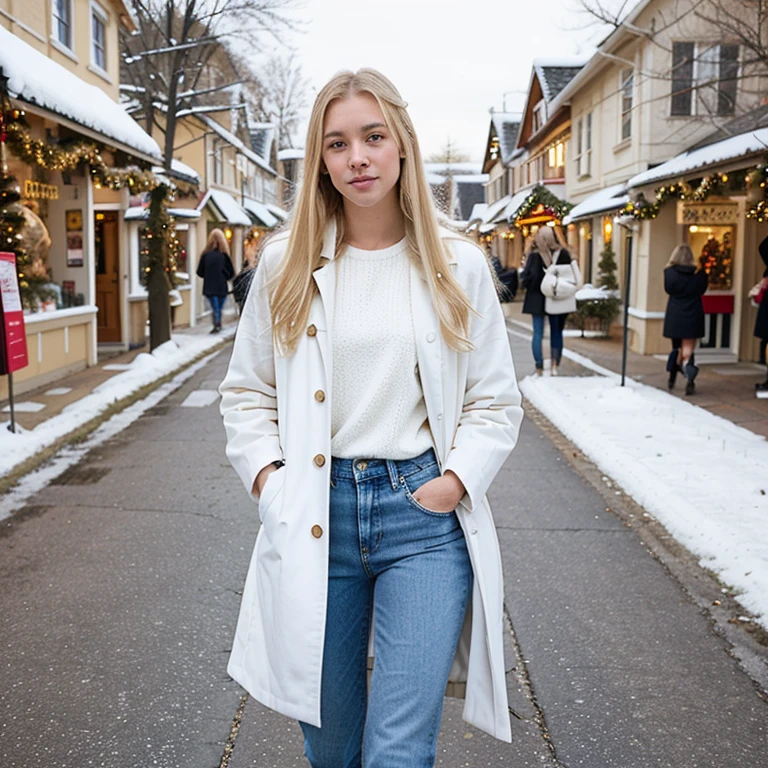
369 403
544 253
215 267
685 285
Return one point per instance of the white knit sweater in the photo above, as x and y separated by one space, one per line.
377 404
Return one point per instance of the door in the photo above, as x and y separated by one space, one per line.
107 285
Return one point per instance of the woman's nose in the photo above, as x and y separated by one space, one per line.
358 158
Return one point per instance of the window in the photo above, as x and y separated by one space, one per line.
583 157
708 71
62 21
627 84
555 161
98 37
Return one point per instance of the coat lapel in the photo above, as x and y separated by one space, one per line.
322 315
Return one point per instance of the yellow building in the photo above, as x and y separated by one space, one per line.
60 60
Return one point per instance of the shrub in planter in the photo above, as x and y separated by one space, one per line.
595 309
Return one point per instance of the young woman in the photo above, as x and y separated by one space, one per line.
215 267
684 316
369 403
543 252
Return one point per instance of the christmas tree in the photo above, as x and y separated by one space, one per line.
607 268
717 261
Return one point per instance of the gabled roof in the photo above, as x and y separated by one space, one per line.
235 142
507 127
555 74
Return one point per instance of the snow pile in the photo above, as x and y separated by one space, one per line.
145 368
702 477
589 292
36 79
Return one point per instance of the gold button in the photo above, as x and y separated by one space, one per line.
362 465
319 395
319 460
317 531
311 331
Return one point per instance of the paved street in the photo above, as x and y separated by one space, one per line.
120 585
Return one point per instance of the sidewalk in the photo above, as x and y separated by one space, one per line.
724 390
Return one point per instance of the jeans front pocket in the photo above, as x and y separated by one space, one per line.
415 481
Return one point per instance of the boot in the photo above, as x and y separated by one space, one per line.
691 371
672 369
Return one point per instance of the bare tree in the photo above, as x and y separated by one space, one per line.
448 154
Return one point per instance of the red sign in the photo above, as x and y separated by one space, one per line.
13 337
718 305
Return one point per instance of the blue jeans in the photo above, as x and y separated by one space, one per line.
217 304
410 566
556 325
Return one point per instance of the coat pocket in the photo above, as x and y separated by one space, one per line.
270 491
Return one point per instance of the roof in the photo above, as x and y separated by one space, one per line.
514 205
141 212
555 74
235 142
260 214
507 127
494 209
276 210
37 80
478 212
750 121
291 153
686 163
612 198
262 138
469 191
178 171
225 205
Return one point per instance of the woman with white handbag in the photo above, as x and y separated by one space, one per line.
551 279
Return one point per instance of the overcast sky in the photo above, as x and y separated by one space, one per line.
451 61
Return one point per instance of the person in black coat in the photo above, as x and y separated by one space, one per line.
761 321
684 317
215 267
544 249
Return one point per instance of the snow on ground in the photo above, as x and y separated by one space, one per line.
704 478
145 368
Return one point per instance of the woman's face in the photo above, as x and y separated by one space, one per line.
359 151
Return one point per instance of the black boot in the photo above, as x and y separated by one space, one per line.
691 371
672 368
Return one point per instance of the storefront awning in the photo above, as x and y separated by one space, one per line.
610 199
225 208
684 164
495 210
260 214
36 80
276 210
141 213
514 205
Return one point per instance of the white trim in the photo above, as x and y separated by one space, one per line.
61 48
99 72
21 25
107 206
96 9
645 314
69 50
44 317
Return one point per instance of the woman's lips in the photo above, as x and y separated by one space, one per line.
363 182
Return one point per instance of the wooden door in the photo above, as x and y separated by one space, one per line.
107 269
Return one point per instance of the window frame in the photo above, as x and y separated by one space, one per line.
726 84
626 102
96 11
583 155
68 23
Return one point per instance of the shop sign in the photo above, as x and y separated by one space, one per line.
13 337
36 190
719 214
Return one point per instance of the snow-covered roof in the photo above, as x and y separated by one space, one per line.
291 153
458 168
140 212
474 178
513 206
227 207
495 208
185 170
276 210
261 213
609 199
745 144
478 212
555 74
36 79
235 142
507 126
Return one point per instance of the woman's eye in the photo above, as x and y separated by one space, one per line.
375 137
336 145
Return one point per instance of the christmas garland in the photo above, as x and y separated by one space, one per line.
542 196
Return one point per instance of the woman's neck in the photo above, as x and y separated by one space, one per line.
372 229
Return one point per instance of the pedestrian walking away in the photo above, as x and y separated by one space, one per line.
369 403
215 268
685 283
546 259
761 321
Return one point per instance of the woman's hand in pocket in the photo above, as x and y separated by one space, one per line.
442 494
261 479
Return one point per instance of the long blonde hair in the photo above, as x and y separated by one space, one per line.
682 256
318 202
545 242
217 241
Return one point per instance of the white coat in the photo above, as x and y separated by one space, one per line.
279 408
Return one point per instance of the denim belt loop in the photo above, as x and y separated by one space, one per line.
392 472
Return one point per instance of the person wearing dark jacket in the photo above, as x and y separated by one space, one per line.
216 269
761 321
684 317
543 251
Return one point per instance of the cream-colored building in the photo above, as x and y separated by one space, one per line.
663 82
60 59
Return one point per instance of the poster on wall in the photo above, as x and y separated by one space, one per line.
75 238
13 337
